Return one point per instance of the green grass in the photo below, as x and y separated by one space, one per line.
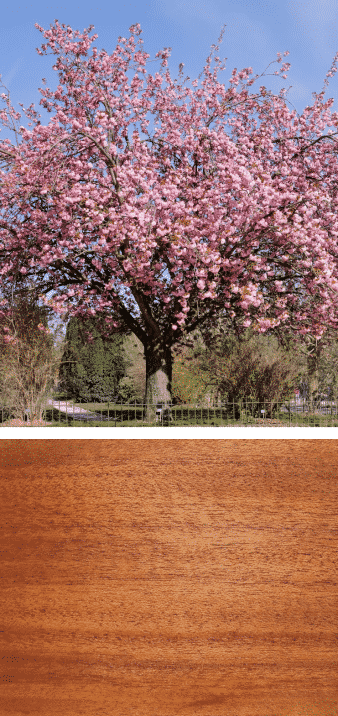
183 416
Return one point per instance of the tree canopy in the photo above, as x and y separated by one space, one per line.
163 233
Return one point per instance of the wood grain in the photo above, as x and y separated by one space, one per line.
168 577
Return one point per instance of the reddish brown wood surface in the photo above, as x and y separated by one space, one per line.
168 577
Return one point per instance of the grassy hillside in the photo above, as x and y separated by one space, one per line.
136 370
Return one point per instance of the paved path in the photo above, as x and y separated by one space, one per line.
68 407
73 410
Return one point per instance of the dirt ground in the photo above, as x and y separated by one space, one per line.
168 577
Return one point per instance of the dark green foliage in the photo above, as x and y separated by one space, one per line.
126 390
92 366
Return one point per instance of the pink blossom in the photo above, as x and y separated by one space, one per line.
176 219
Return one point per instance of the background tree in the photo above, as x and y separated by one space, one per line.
190 383
329 371
92 366
126 390
192 224
30 362
238 364
320 363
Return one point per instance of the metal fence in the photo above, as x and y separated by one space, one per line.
245 412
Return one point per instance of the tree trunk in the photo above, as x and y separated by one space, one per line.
158 376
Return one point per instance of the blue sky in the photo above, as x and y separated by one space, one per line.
255 31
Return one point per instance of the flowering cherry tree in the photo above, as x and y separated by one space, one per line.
164 232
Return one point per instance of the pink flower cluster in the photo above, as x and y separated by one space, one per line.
246 222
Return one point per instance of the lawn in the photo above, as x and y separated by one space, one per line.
115 415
